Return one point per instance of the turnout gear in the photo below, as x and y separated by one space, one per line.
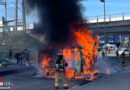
123 57
60 72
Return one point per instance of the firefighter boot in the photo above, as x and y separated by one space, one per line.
66 86
64 80
57 85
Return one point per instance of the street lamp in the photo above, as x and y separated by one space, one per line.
4 20
23 15
104 23
3 2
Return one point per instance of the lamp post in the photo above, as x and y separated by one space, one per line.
3 2
105 41
23 16
4 20
16 14
5 10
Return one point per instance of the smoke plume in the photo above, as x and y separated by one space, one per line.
55 17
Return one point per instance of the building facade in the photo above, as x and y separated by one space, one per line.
115 39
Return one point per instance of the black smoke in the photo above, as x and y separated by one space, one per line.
55 18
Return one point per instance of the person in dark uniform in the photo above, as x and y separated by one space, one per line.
10 54
117 54
18 57
123 58
26 57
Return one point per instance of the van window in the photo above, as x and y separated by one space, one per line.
126 50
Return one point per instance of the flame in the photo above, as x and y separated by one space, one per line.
84 38
45 64
48 66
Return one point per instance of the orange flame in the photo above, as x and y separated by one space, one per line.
48 66
82 37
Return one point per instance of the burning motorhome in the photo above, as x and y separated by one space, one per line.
81 57
61 22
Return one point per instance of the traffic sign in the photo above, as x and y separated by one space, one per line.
4 43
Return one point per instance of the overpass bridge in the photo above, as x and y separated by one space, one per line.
116 24
117 27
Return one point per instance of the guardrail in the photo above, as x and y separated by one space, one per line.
109 18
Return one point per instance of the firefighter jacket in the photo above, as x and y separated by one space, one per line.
60 67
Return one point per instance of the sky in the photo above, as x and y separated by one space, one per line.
96 8
89 9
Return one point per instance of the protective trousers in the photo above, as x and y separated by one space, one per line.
58 76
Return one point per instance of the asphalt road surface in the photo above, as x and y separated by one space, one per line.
22 79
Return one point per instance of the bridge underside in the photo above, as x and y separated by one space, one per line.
114 30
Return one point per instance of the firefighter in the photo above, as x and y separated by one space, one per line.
60 71
123 58
103 53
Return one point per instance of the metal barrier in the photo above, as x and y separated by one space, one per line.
109 18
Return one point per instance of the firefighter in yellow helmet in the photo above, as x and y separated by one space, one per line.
60 71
